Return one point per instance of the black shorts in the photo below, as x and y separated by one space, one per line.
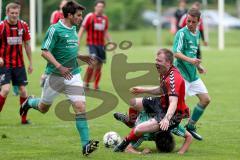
98 52
17 75
153 107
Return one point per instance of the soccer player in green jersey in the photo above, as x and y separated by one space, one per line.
185 47
60 49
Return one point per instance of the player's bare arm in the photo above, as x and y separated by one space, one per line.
86 58
187 142
28 50
164 123
150 90
80 33
65 72
1 62
193 61
201 69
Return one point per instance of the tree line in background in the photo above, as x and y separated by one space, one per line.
123 14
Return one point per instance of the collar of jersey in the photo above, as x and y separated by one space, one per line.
194 34
60 21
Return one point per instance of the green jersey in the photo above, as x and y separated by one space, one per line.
187 43
62 42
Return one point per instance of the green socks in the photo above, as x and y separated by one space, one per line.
82 127
33 103
197 113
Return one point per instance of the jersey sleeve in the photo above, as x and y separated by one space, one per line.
183 21
1 28
178 42
86 21
54 17
50 39
26 34
174 84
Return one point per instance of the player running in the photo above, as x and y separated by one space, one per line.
60 49
96 26
185 48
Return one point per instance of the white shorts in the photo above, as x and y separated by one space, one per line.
54 85
195 87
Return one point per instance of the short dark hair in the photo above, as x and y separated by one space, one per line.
164 141
71 7
99 1
194 13
168 54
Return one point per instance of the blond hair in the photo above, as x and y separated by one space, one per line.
12 6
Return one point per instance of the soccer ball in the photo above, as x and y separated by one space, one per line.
111 139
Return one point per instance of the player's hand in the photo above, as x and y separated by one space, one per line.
164 124
88 59
195 61
136 90
65 72
30 69
205 43
201 69
146 151
1 62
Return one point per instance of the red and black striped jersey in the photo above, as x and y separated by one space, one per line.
96 27
173 84
11 41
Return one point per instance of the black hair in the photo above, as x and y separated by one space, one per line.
71 7
164 141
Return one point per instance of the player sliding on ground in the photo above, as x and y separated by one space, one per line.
164 140
168 110
60 49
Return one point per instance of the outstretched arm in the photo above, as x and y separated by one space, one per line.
186 144
150 90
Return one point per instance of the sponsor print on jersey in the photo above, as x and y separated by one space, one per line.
14 40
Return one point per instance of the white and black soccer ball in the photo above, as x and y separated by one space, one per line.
111 139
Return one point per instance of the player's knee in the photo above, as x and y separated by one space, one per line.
79 107
5 91
133 102
138 131
206 101
43 109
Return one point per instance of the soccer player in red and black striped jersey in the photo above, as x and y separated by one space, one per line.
96 26
13 34
168 109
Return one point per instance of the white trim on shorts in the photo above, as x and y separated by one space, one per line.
73 89
195 87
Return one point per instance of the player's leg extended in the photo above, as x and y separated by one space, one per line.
78 99
198 110
198 88
97 74
145 127
23 96
43 104
136 106
3 94
88 146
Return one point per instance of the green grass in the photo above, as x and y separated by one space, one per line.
49 138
